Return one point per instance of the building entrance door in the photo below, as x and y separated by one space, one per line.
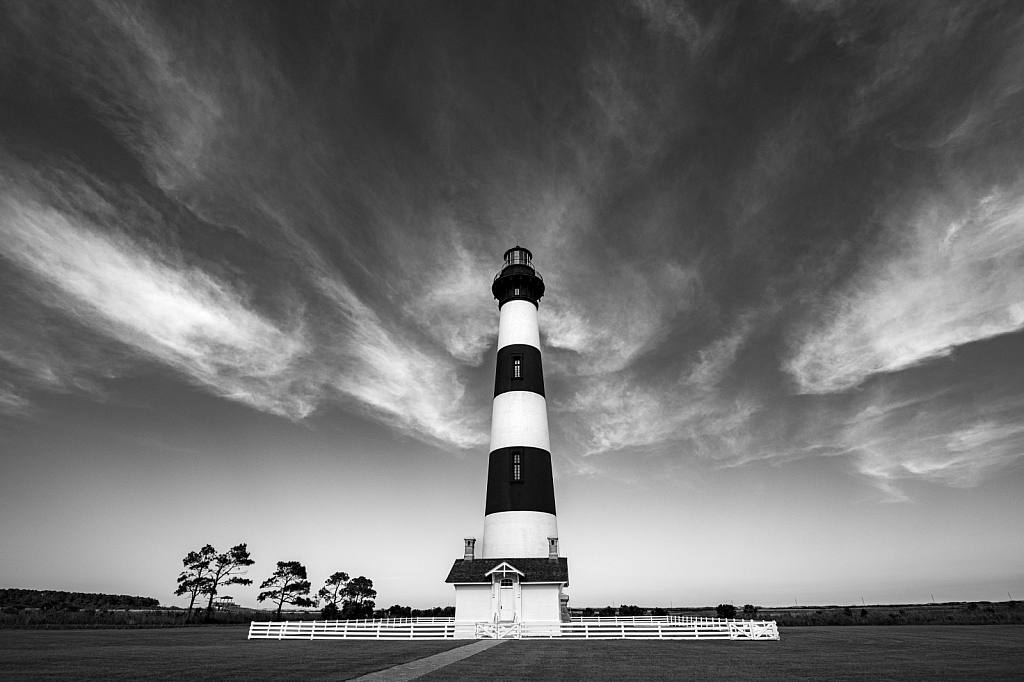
506 601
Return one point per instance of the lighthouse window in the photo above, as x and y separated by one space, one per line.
517 367
517 467
517 291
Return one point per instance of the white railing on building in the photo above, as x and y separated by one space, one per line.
629 627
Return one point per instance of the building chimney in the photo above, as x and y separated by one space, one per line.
470 543
552 549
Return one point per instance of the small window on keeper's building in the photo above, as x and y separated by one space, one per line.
517 367
506 582
517 467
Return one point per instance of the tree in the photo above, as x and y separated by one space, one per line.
226 569
398 611
627 610
193 579
358 598
331 594
726 611
288 585
749 610
659 612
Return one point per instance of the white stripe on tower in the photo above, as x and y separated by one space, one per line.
520 515
518 324
520 418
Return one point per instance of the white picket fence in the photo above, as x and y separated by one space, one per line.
631 619
384 629
640 627
626 629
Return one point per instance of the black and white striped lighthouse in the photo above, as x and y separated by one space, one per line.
519 519
518 575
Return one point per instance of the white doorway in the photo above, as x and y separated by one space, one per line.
506 601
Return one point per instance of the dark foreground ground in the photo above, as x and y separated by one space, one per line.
835 654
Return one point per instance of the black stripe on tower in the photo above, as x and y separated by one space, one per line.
518 369
526 487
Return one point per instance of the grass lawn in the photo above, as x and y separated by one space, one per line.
837 654
194 654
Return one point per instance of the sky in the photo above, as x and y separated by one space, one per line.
245 262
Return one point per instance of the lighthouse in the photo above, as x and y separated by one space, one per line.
519 520
518 575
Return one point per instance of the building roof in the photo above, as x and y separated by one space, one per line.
532 570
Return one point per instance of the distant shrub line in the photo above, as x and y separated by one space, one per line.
957 613
1002 613
71 601
41 609
99 619
92 619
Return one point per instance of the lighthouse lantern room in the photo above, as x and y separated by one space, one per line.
519 574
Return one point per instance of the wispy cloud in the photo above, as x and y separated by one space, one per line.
186 318
609 414
608 327
455 309
716 358
114 56
670 17
11 402
957 279
393 378
618 410
179 315
895 441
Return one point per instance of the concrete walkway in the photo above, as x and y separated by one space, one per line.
410 671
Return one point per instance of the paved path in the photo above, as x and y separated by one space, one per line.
410 671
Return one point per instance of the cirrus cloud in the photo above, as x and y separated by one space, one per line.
956 280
